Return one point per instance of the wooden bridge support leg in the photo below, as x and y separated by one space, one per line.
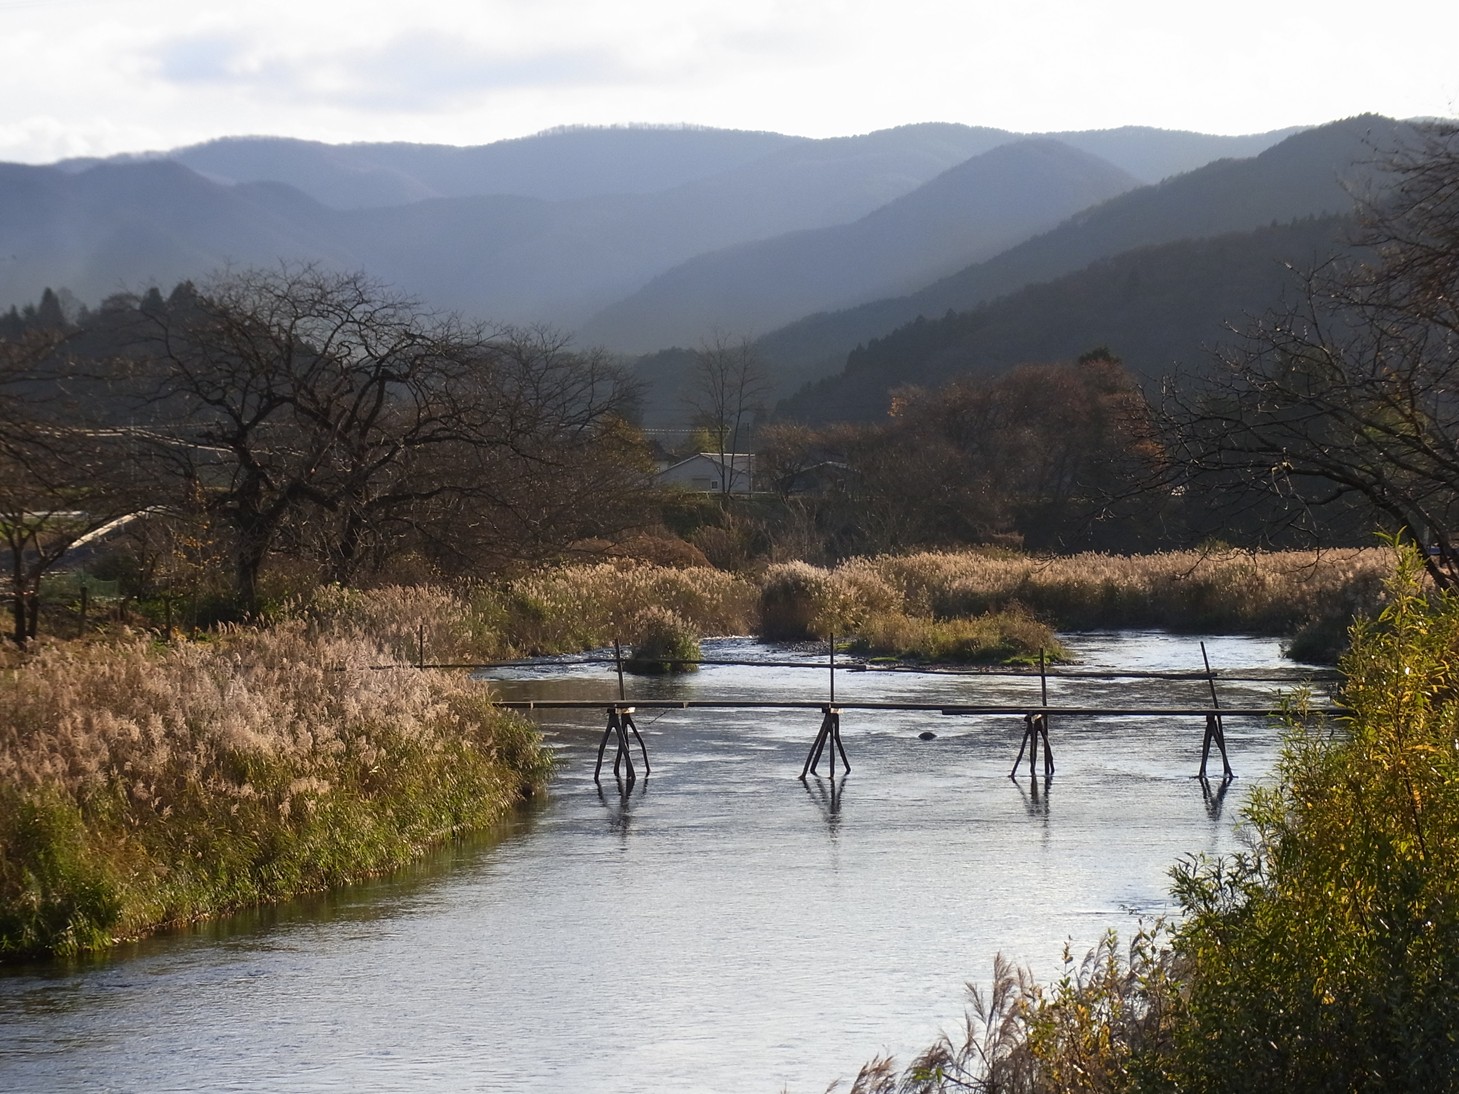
1023 744
628 721
603 744
620 721
1035 728
1041 723
625 750
830 731
1214 732
813 757
836 736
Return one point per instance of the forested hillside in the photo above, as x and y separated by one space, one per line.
1316 172
968 213
1162 309
547 229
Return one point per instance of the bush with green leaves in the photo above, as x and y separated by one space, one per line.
1324 957
1327 957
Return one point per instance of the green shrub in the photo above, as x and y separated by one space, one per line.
792 595
664 644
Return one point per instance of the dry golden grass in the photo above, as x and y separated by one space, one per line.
1271 592
146 785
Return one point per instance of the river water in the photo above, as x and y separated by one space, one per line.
717 926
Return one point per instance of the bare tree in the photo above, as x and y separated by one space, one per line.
324 413
725 393
1348 401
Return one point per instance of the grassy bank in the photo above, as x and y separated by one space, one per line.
147 786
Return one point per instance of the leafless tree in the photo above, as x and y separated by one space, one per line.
322 412
724 394
1348 401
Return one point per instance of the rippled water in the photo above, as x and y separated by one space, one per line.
718 926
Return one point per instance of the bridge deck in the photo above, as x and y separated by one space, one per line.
1019 709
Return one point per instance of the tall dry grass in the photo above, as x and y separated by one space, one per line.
142 786
573 607
558 609
1273 593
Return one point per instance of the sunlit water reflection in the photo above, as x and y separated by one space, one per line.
718 926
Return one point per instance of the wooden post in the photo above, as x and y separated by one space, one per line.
1036 727
1042 722
1214 730
420 646
85 601
618 660
833 668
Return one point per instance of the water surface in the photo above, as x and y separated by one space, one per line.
717 926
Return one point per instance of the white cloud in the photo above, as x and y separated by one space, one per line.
107 75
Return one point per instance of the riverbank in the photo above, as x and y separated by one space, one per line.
146 786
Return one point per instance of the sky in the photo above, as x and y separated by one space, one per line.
97 77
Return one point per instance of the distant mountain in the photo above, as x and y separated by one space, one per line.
559 165
1312 173
968 213
1155 154
504 256
1162 309
127 226
552 228
578 162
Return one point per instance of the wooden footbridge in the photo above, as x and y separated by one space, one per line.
1037 717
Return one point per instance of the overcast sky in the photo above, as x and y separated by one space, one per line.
85 77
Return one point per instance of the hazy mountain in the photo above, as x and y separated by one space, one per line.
1155 154
1162 309
509 257
1311 173
968 213
550 228
555 166
125 226
578 162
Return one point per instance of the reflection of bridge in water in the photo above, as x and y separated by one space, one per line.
1037 716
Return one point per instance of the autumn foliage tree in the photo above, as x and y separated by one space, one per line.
1036 456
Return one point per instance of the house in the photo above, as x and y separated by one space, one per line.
706 472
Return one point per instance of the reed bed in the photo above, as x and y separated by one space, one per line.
143 786
1001 638
963 605
1220 591
561 609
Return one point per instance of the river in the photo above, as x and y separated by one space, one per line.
717 926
